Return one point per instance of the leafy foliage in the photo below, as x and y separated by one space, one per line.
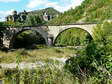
49 11
96 58
73 37
2 24
88 11
27 39
33 20
49 74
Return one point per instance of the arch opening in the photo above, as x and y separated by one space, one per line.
72 37
27 39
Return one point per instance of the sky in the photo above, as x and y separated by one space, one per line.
7 6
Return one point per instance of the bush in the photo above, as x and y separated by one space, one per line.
96 58
28 39
44 75
73 37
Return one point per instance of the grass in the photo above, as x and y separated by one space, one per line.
49 74
46 75
35 55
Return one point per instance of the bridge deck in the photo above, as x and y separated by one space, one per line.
89 23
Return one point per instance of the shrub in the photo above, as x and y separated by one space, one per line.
44 75
96 58
28 39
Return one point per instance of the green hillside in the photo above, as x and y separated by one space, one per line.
88 11
49 11
32 18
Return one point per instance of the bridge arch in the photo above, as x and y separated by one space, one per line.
43 36
65 29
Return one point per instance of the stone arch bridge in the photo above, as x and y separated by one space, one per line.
49 33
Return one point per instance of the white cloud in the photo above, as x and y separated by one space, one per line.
67 4
3 14
57 6
75 3
61 5
54 5
9 1
36 3
28 10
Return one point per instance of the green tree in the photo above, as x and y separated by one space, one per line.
27 39
33 20
88 11
73 37
96 58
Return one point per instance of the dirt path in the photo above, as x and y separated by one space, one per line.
23 65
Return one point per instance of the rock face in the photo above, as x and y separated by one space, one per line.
44 14
15 17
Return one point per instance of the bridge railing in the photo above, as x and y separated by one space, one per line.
22 26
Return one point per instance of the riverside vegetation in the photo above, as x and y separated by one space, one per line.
92 64
90 11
